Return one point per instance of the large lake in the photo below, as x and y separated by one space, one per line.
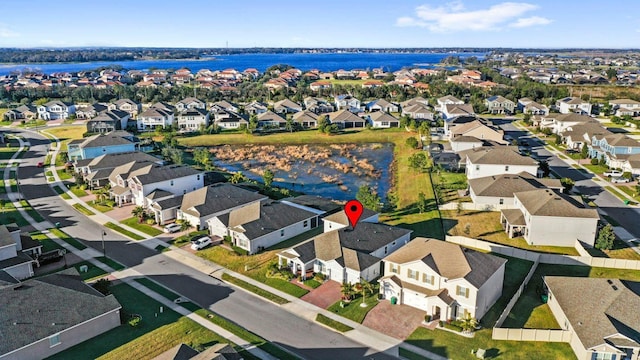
332 171
322 62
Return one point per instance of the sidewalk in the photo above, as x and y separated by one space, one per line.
300 308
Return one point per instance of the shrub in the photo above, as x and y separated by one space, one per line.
135 320
427 318
102 286
453 326
239 251
594 161
627 175
151 221
412 142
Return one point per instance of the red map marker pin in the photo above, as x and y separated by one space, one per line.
353 209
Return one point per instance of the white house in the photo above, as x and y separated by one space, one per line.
498 160
558 123
500 105
448 100
599 314
56 109
571 105
190 103
286 106
625 107
347 254
452 110
382 105
443 279
155 117
339 220
193 119
528 106
128 105
548 217
227 119
381 119
14 259
496 191
347 102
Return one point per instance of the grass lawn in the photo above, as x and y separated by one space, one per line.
34 214
83 209
353 310
78 191
9 214
351 82
63 174
410 355
68 239
254 289
620 250
99 207
597 169
312 283
485 225
158 288
322 319
618 195
147 229
93 272
123 231
153 336
111 263
630 190
186 238
67 133
47 244
427 224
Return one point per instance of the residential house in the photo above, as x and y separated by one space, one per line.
339 220
496 191
155 117
561 122
597 313
624 107
255 228
320 85
381 119
164 106
528 106
497 160
96 171
90 111
347 102
22 112
128 105
448 100
306 119
571 105
164 208
108 121
269 119
56 109
348 254
17 252
219 351
286 106
317 105
192 119
574 137
450 111
226 119
418 112
134 186
226 105
548 217
256 108
101 144
500 105
382 105
452 123
345 119
190 103
463 143
475 129
49 314
418 100
443 279
613 148
216 200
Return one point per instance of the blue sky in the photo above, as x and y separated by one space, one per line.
328 23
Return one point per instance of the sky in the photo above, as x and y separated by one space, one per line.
328 23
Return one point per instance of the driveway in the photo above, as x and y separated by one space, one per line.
324 295
397 321
121 213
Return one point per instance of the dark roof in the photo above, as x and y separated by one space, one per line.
316 202
194 112
506 185
306 251
178 352
111 115
369 237
109 139
110 161
274 216
217 198
7 280
21 258
159 173
5 236
28 242
48 305
169 203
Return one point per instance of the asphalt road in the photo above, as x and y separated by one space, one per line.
303 337
626 216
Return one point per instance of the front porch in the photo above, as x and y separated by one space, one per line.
512 220
293 264
121 195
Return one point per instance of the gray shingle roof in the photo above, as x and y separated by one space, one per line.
497 155
506 185
273 217
217 198
169 203
47 305
547 202
110 161
110 139
157 173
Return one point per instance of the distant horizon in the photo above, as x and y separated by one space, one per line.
315 48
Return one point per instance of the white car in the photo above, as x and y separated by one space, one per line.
171 228
619 179
612 173
201 243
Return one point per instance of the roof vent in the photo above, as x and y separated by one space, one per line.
615 288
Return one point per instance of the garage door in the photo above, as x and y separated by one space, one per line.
414 299
336 274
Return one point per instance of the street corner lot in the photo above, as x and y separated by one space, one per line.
324 295
397 321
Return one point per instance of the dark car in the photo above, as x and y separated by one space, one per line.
50 256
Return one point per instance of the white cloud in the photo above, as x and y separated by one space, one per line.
5 32
455 17
530 21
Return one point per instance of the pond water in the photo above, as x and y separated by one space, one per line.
331 171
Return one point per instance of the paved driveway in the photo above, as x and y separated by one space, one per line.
324 295
397 321
121 213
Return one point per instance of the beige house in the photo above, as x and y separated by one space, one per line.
548 217
477 130
497 160
499 105
443 279
601 315
497 191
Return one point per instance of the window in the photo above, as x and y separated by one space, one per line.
603 356
501 201
428 279
54 340
412 274
385 123
394 269
462 291
305 223
282 232
506 168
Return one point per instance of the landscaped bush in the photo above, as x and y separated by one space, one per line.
453 326
594 161
239 251
135 320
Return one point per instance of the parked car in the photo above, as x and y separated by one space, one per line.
200 243
171 228
50 256
612 173
40 164
619 179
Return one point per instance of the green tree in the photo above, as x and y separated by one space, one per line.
289 125
102 286
544 167
418 161
365 288
606 237
347 291
422 203
368 197
602 160
139 212
267 178
412 142
323 123
468 324
584 152
567 183
185 225
202 156
237 178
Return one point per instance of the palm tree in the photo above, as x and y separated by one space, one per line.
468 323
237 177
138 212
185 225
346 291
366 288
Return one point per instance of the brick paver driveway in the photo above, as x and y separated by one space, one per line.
324 295
121 213
397 321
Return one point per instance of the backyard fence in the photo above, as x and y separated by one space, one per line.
545 335
516 296
555 259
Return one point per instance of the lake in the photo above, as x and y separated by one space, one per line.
331 171
303 61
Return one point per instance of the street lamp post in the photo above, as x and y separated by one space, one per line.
104 250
